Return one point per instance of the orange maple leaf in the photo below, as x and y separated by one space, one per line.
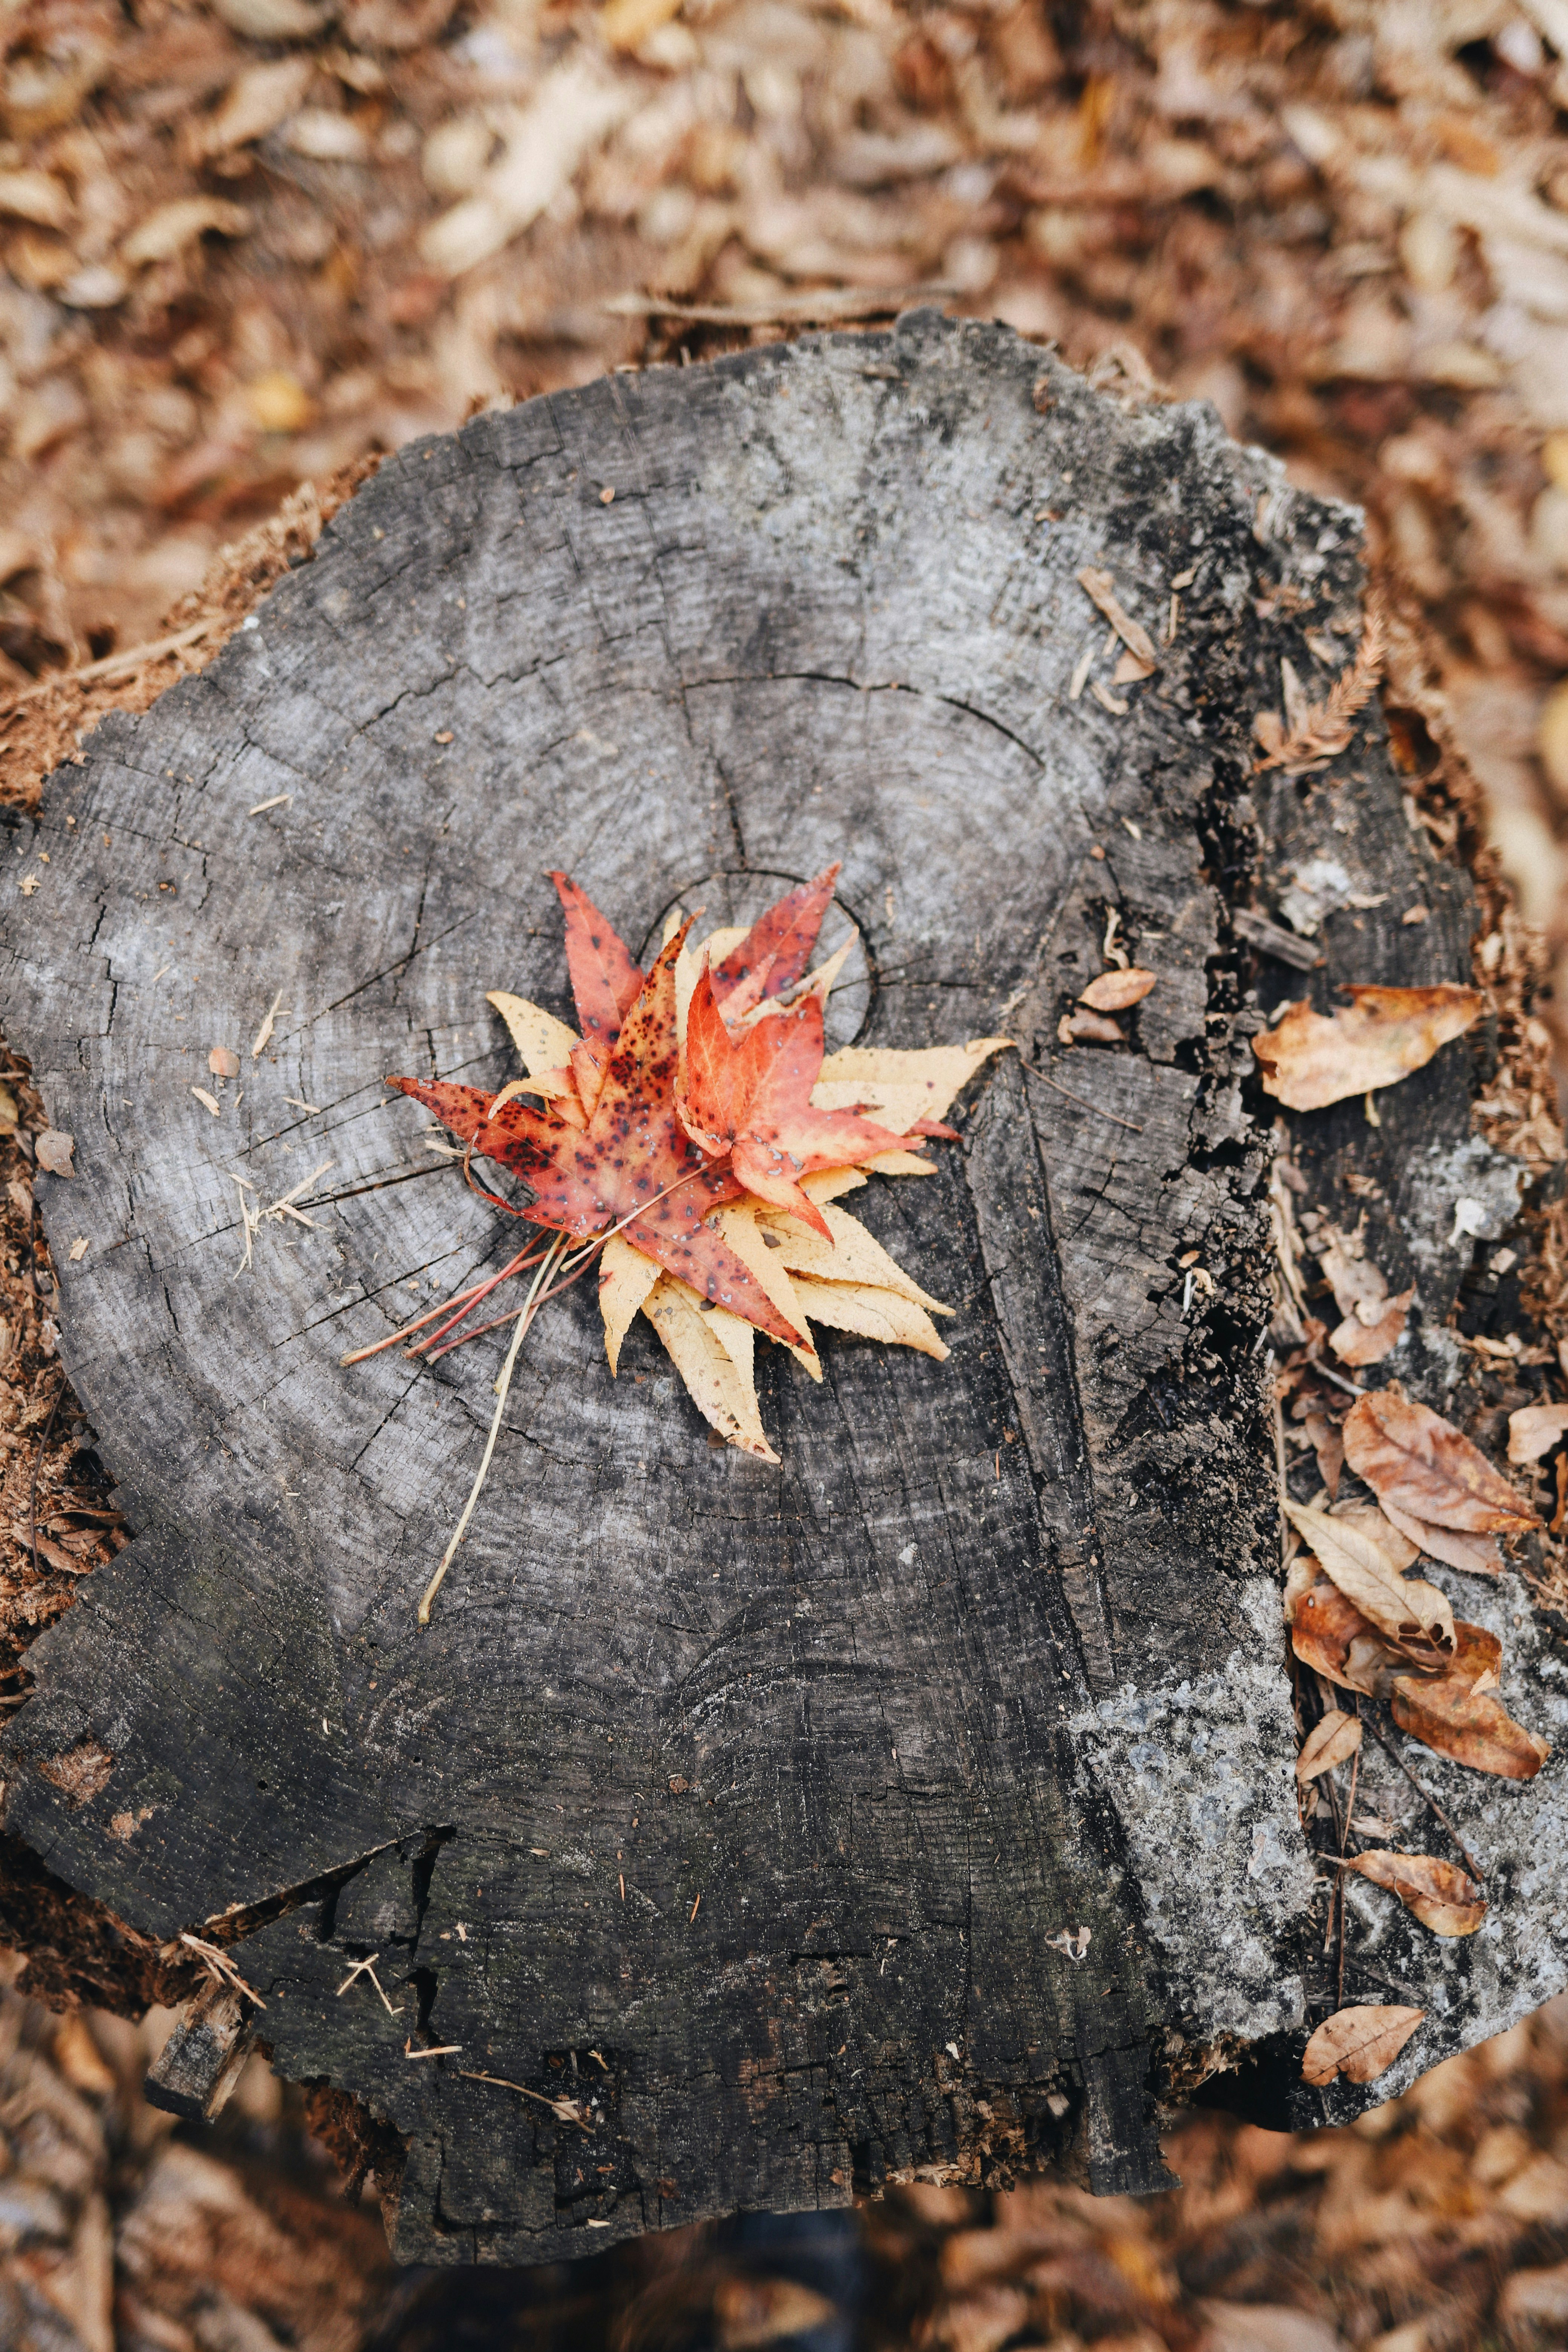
631 1167
750 1101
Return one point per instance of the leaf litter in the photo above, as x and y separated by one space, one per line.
691 1139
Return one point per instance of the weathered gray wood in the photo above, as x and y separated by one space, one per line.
995 1654
202 2059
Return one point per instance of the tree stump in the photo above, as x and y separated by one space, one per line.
743 1836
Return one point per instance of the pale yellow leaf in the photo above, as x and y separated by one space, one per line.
544 1043
869 1313
853 1255
720 1391
827 1184
738 1224
900 1163
626 1278
897 1087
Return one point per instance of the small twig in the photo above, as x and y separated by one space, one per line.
367 1968
464 1299
1394 1757
1082 1105
562 2109
133 657
1349 1827
447 2050
503 1385
37 1465
781 309
496 1321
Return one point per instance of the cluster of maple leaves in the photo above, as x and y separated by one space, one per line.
1357 1618
693 1136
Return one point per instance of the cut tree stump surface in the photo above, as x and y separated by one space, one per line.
995 1655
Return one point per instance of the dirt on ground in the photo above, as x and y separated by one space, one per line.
248 247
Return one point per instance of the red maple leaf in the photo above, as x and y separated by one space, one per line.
750 1099
776 950
606 982
632 1166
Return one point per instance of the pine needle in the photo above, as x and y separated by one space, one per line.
1325 728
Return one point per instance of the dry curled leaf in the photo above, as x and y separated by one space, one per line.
1087 1029
1329 1742
1309 1060
1358 1342
1410 1613
1432 1483
1534 1430
1451 1716
1443 1896
1114 992
1360 2044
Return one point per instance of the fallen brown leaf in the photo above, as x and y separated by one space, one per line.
1360 2044
1309 1060
1328 1744
1329 1633
1443 1896
1330 1448
1534 1430
1450 1714
1357 1342
1422 1470
1087 1029
1114 992
53 1151
1413 1615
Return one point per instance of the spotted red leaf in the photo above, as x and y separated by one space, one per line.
750 1097
633 1160
604 980
783 939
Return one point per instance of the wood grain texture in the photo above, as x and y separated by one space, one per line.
995 1655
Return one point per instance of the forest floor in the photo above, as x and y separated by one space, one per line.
250 245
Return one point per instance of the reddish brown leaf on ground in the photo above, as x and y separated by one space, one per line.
1309 1060
1447 1713
1360 2043
1114 992
1443 1896
605 981
1421 1468
750 1097
783 938
1330 1634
